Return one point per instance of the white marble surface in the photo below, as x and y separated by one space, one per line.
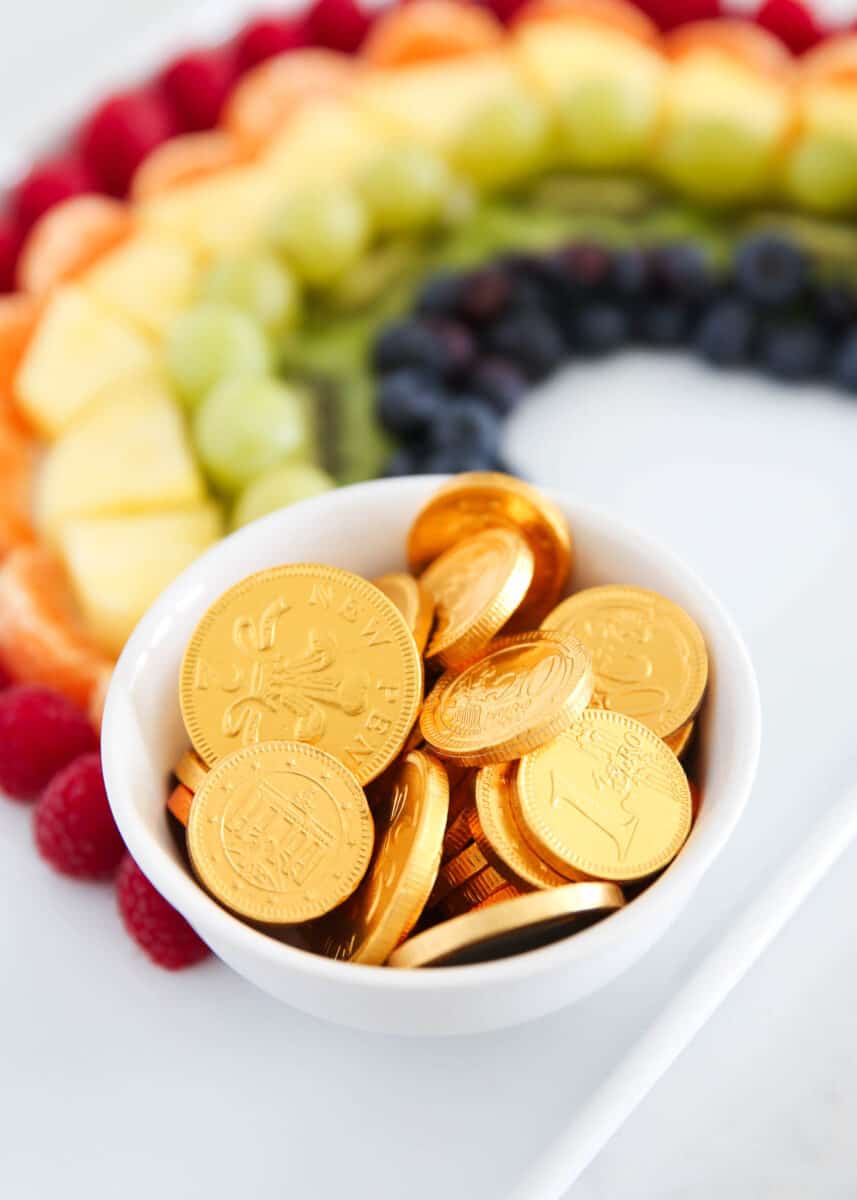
118 1079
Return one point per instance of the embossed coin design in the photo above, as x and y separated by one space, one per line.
510 926
409 804
280 832
191 770
497 834
523 691
473 502
413 600
648 655
477 584
607 799
303 653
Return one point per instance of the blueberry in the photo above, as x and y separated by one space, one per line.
631 273
845 363
466 425
725 333
531 339
439 295
662 322
834 304
500 383
585 266
439 348
770 270
682 270
403 461
408 401
452 461
485 294
793 350
458 346
598 327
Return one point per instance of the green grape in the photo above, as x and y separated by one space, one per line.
246 425
821 173
717 160
406 189
258 284
503 143
277 488
605 126
208 343
322 233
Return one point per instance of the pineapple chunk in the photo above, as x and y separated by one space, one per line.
77 349
324 141
129 454
431 102
147 279
218 214
119 565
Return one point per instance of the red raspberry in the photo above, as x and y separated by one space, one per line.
120 133
338 25
792 22
669 14
196 86
73 825
40 733
267 36
505 10
47 184
11 237
154 924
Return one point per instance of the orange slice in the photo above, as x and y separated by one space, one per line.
430 29
182 160
265 98
41 637
68 238
616 14
747 43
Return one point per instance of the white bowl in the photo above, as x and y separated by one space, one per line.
363 528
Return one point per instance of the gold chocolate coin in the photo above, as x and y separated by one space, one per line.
510 926
521 693
409 805
648 655
477 584
473 502
280 832
679 741
191 770
457 835
473 892
179 802
496 831
606 799
455 871
413 600
303 653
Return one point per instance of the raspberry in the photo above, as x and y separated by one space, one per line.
505 10
40 733
47 184
73 825
267 36
11 237
792 22
120 133
154 924
669 14
196 86
337 25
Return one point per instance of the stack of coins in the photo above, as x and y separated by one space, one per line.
508 807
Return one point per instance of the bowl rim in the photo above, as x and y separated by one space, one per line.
654 908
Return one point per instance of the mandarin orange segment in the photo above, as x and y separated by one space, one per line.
18 316
182 160
615 14
833 61
741 40
42 639
265 98
69 238
17 463
430 29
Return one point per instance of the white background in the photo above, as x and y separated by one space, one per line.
117 1079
